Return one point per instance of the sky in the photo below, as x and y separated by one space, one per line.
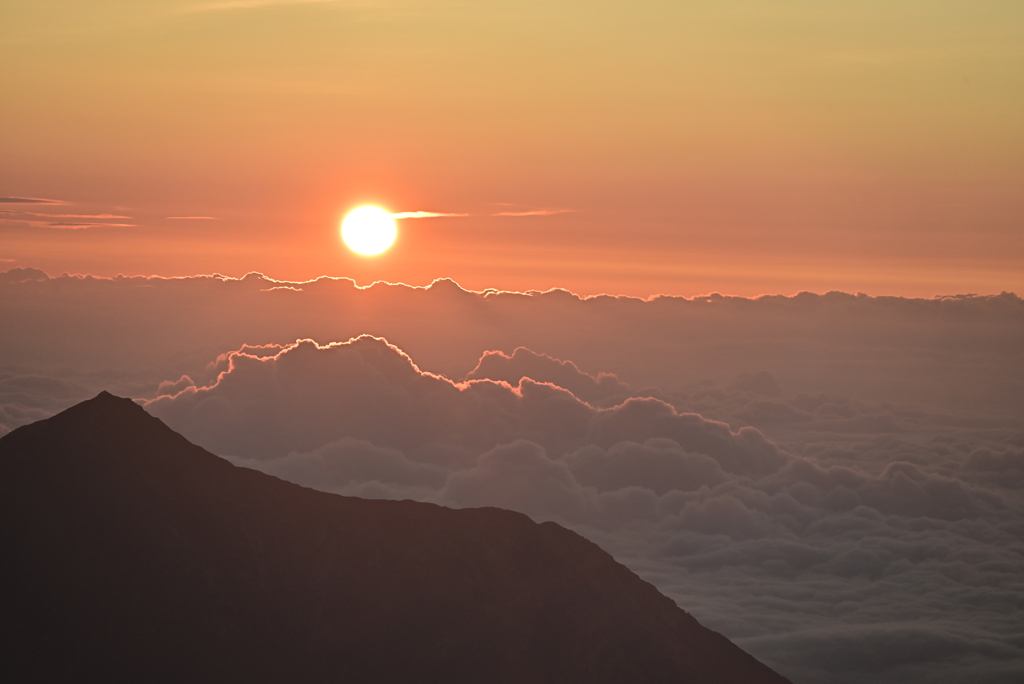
726 288
666 147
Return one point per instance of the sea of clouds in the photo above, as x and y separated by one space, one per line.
835 482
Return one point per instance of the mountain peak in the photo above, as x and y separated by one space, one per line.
106 404
106 399
105 414
109 404
130 553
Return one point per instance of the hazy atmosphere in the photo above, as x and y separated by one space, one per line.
745 146
727 289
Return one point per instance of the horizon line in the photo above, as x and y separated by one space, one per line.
295 286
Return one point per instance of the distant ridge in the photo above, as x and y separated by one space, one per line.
130 554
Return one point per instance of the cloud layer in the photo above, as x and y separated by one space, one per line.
834 481
959 353
873 555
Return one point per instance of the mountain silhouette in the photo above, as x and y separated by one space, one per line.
130 554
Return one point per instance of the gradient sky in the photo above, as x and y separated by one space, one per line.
744 147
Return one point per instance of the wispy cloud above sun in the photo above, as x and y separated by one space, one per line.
535 212
425 214
439 214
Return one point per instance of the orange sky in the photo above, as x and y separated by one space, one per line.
744 147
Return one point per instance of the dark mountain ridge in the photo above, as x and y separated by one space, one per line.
128 552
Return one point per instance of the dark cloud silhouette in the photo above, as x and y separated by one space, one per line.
22 275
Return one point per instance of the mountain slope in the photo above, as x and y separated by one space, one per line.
130 553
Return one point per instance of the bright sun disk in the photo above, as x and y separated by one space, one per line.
369 230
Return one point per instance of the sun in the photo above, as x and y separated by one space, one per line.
369 230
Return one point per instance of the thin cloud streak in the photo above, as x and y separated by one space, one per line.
29 200
192 218
81 226
424 214
62 225
535 212
82 216
435 214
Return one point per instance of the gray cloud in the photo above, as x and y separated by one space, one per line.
895 553
596 390
834 481
958 353
306 395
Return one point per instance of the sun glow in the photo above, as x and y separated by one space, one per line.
369 230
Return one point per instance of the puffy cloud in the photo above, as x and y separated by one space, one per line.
659 465
600 390
912 650
306 395
636 420
810 556
958 352
347 462
998 466
520 476
16 276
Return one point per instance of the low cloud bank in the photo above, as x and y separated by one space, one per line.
863 543
307 395
835 481
952 353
